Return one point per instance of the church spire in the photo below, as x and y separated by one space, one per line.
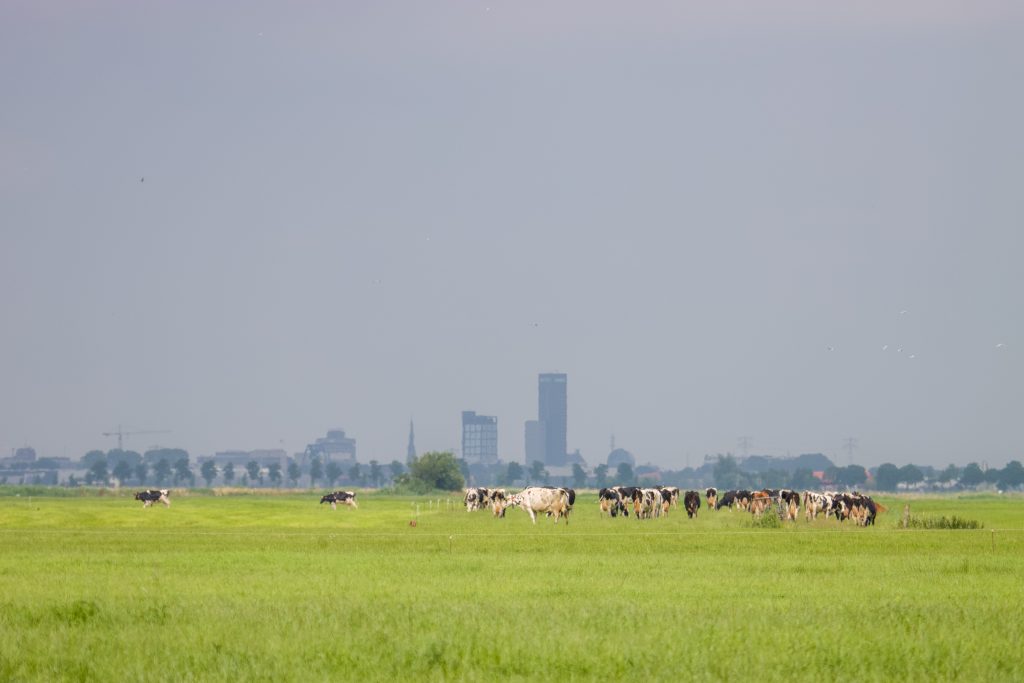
410 453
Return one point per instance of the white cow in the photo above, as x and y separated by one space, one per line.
536 499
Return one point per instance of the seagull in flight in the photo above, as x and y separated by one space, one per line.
1000 345
885 346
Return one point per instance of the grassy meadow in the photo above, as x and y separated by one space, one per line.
279 588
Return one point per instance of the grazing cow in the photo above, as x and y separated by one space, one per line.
343 497
572 498
759 502
498 501
729 499
691 501
789 504
572 501
863 510
150 496
646 503
815 503
476 499
842 506
610 502
672 495
712 496
871 510
627 493
536 499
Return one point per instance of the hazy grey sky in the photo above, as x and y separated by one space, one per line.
354 213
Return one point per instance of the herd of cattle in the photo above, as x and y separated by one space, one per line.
646 503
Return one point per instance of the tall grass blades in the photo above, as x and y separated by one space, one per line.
943 522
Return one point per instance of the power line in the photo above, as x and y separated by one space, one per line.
850 444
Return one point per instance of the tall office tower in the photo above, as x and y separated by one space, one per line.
552 414
410 451
479 438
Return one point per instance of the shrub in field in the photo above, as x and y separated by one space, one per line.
943 522
769 520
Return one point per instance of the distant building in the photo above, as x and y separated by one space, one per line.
24 454
552 412
575 458
534 441
334 446
479 438
410 451
618 457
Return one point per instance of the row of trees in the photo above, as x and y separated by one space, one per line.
436 470
888 477
441 470
180 473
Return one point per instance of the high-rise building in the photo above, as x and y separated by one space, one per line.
534 442
335 446
552 414
410 451
479 438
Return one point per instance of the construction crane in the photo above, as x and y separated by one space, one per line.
120 434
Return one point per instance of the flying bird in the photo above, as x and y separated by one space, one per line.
1000 345
885 346
142 179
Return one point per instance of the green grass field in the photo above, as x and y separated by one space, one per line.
277 587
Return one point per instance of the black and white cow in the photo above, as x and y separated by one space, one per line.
864 510
628 493
815 503
609 500
150 496
712 497
789 504
477 498
691 501
499 499
343 497
646 503
672 495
